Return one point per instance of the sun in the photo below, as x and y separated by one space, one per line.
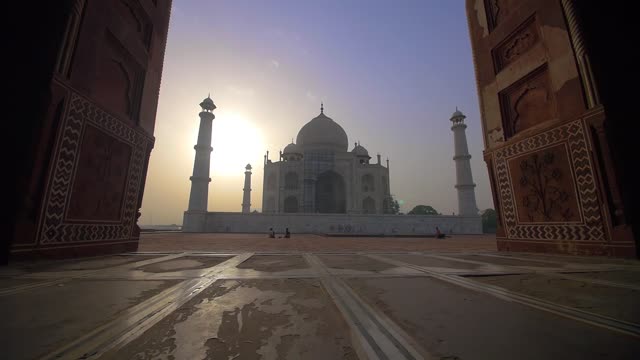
236 141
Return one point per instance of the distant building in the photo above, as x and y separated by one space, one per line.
317 186
464 179
318 174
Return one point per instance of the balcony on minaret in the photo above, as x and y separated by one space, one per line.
457 119
207 104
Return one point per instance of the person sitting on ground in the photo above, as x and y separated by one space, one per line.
287 234
439 235
272 234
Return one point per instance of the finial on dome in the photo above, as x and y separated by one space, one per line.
321 108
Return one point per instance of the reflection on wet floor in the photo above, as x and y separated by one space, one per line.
251 319
37 321
184 263
506 262
276 306
354 262
274 263
434 262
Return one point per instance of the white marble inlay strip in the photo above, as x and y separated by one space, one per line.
598 320
591 281
379 339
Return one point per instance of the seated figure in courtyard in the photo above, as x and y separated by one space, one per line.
439 235
272 234
287 234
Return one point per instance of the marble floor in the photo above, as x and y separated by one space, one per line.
287 302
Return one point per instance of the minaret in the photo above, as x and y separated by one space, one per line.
246 197
200 179
464 181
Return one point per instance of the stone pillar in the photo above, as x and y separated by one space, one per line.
200 179
464 181
246 197
582 56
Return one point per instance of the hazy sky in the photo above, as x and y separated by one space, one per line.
389 72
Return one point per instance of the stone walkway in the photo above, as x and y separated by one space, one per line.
177 241
344 298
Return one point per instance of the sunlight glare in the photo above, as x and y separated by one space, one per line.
236 141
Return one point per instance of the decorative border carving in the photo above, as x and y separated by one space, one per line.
53 229
591 228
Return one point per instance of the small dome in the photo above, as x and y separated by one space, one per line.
359 150
457 114
248 167
207 104
292 149
323 132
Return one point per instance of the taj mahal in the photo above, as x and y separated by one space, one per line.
318 174
320 185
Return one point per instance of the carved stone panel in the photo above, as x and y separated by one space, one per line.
137 20
110 148
521 40
568 207
545 188
99 184
118 80
528 102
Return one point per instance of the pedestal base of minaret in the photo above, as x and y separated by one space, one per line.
194 221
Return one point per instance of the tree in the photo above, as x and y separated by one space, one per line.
423 210
489 221
392 206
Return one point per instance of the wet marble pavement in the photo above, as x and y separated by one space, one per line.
324 305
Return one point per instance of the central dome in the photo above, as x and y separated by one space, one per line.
323 132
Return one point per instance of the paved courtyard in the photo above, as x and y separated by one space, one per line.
235 296
177 241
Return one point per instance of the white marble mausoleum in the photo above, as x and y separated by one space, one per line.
319 185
